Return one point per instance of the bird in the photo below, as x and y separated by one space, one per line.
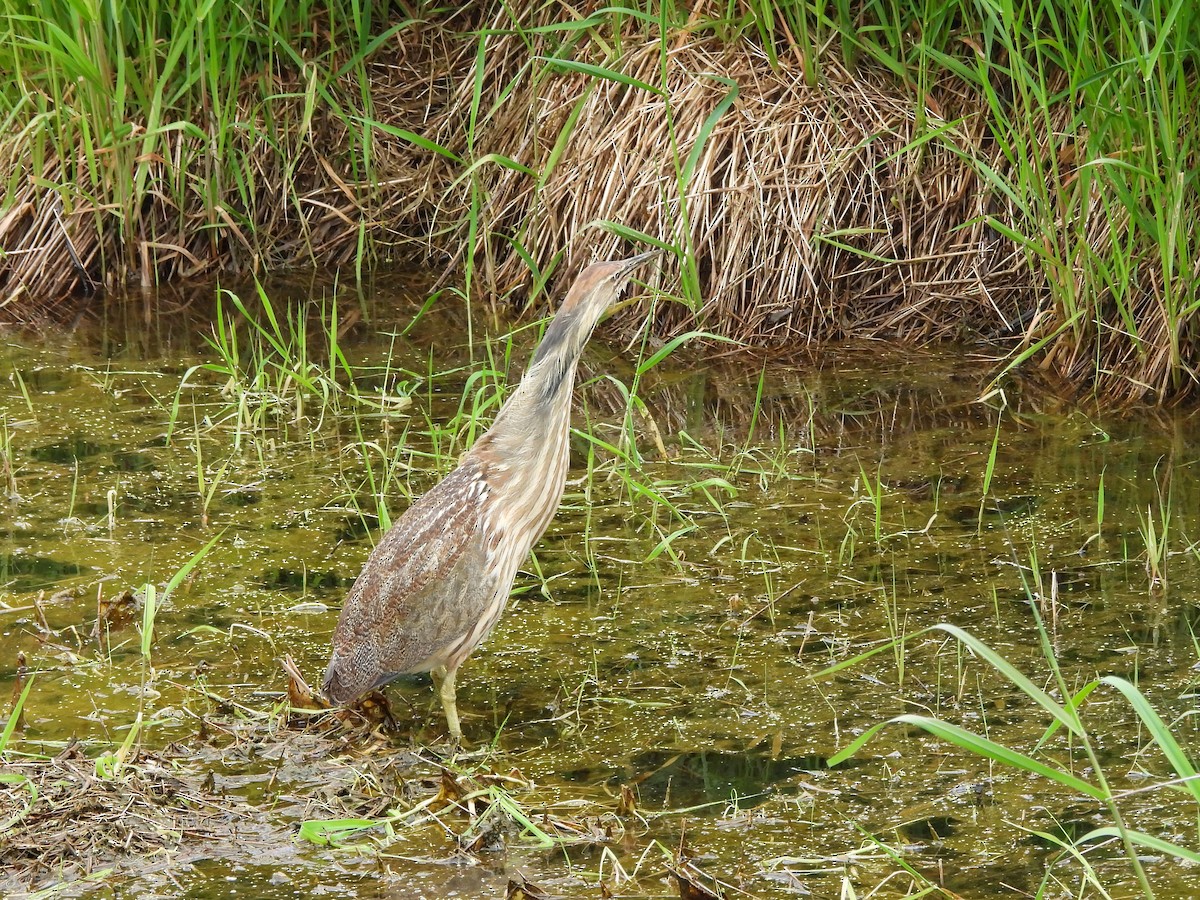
438 581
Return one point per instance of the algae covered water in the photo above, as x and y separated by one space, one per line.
657 709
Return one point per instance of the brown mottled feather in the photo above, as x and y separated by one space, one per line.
423 587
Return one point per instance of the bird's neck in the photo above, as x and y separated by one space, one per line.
539 410
530 432
555 358
541 404
526 455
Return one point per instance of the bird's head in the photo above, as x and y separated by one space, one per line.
590 297
598 286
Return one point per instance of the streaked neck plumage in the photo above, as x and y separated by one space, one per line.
528 440
538 411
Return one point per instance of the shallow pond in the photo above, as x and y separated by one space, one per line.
741 530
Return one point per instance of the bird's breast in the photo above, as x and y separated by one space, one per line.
522 499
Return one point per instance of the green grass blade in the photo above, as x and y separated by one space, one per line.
675 343
149 611
1149 841
582 68
330 832
187 567
1013 674
1160 733
982 747
15 716
706 130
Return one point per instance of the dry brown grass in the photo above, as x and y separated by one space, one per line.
160 812
811 214
80 825
298 203
808 218
788 168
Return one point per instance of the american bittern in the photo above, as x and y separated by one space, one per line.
435 586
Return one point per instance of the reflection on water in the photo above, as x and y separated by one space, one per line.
667 635
20 573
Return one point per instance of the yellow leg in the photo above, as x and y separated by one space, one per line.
443 682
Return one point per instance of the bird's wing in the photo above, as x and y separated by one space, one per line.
425 586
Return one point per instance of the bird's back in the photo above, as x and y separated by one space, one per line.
424 589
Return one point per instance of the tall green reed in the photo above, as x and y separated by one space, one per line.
119 105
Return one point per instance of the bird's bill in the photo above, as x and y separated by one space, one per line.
626 269
634 261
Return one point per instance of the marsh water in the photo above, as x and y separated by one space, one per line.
739 529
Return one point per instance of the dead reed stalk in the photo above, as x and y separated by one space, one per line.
809 213
805 211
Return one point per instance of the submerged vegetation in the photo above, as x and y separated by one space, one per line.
722 668
980 168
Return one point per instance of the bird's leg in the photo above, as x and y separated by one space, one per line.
443 680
